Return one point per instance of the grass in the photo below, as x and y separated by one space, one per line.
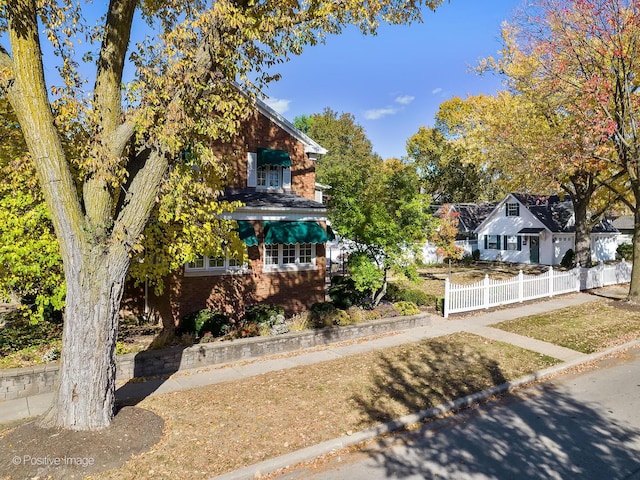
216 429
588 328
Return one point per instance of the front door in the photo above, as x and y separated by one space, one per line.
534 249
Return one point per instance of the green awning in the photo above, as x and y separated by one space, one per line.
247 233
266 156
293 232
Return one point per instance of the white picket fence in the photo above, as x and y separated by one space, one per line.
489 293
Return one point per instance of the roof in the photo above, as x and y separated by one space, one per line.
262 200
310 145
625 222
558 215
470 214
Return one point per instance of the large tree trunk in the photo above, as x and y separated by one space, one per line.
583 236
85 390
634 287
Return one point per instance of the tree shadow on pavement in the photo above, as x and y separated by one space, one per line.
543 432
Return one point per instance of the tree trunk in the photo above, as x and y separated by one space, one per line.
634 287
583 236
84 395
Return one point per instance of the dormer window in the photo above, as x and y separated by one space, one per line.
269 169
270 176
513 210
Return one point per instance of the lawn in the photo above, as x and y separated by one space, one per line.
220 428
588 328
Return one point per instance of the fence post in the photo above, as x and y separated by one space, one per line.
445 306
520 286
550 281
486 291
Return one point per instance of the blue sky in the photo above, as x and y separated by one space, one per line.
394 82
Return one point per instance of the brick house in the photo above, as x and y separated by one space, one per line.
282 225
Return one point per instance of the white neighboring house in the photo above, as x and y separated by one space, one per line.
470 215
539 229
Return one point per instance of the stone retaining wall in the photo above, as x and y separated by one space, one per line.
24 382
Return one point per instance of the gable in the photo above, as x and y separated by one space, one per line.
509 217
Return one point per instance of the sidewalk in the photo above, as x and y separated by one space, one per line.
436 326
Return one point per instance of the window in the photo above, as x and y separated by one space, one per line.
290 256
513 210
270 176
492 242
512 242
221 265
271 255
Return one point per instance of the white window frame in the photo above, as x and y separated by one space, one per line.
269 176
289 257
207 266
495 244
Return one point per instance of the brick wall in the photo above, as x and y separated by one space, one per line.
259 132
295 291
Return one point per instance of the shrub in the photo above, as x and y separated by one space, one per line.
201 321
322 314
475 255
386 310
19 332
299 322
440 304
569 259
342 318
397 293
625 252
406 308
262 313
344 294
357 314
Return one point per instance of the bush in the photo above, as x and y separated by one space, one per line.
262 313
343 292
357 314
625 252
406 308
342 318
475 255
569 259
440 304
397 293
299 322
201 321
19 332
386 310
322 314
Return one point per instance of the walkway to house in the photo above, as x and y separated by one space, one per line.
435 326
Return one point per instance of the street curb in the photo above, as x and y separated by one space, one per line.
255 471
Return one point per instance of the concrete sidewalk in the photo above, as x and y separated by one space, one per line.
437 326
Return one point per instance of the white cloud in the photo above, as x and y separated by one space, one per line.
378 113
436 91
405 99
280 105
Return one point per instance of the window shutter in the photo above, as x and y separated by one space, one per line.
504 242
286 177
252 169
498 240
486 242
519 243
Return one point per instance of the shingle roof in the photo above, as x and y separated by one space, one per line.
256 199
557 215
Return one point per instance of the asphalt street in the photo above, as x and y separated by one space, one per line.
577 426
